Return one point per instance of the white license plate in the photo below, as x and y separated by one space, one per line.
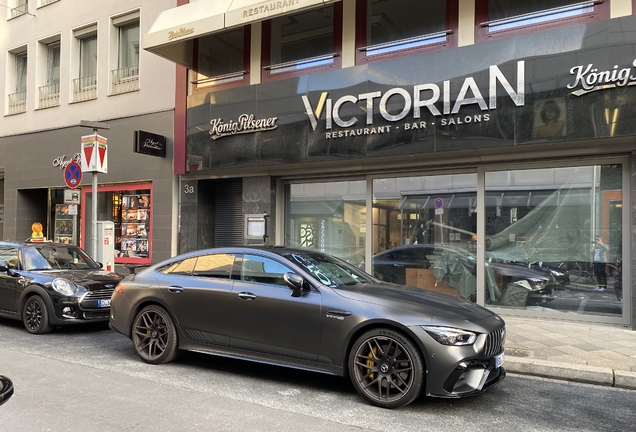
103 303
499 361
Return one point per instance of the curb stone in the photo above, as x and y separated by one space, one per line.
625 379
576 373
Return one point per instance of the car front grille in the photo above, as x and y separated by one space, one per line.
495 342
102 294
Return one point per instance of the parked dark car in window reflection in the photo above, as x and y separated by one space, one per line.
308 310
48 284
457 267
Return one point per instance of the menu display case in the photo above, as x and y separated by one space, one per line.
133 227
65 224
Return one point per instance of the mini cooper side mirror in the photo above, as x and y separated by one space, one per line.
295 283
4 267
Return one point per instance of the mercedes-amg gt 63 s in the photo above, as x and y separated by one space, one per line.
305 309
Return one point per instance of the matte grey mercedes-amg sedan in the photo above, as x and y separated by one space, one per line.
305 309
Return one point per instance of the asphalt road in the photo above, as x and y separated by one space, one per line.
89 378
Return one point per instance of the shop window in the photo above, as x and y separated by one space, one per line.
130 210
423 233
221 60
506 18
301 43
17 97
85 64
125 77
328 217
554 239
386 31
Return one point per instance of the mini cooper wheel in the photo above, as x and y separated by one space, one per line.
35 316
386 368
154 335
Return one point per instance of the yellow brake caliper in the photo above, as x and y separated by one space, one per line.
371 363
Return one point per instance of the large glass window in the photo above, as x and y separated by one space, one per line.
88 61
414 25
128 45
221 58
21 72
53 64
554 239
302 41
328 217
424 230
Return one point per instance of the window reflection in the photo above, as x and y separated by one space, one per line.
559 232
424 231
328 217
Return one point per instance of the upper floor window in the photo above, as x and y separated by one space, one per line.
17 97
222 59
19 7
85 86
49 93
298 43
385 30
505 18
46 2
125 77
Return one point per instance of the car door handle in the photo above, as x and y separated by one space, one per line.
246 296
175 289
398 265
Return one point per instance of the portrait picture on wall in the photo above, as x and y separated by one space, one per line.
549 118
64 227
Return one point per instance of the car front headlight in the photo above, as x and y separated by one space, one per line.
451 336
63 286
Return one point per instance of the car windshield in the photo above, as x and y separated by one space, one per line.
329 270
54 257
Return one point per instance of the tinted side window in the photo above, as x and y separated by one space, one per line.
215 265
10 256
184 267
263 270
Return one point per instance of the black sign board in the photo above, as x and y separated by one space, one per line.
150 144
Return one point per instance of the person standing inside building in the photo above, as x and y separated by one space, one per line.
600 256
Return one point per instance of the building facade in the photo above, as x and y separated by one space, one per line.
66 62
482 148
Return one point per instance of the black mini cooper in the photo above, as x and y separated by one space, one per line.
51 284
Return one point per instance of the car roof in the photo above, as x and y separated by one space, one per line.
31 243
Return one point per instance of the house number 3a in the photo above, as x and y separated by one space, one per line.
189 189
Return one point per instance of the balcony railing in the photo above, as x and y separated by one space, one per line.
50 95
125 79
85 88
17 102
19 10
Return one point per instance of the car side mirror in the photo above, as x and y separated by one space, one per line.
295 283
4 268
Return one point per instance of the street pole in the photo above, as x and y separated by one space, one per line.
95 126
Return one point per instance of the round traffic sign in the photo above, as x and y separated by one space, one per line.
439 203
73 174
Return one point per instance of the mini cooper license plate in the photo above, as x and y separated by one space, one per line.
499 361
103 303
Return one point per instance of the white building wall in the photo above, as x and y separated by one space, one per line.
43 23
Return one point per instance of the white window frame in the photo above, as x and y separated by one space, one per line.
16 99
48 92
123 78
83 87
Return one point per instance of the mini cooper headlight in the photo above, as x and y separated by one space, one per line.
451 336
63 286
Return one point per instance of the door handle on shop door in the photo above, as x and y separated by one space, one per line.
175 289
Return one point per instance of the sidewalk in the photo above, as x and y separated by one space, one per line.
582 352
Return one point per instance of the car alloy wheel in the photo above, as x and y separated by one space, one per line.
386 368
155 335
35 316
